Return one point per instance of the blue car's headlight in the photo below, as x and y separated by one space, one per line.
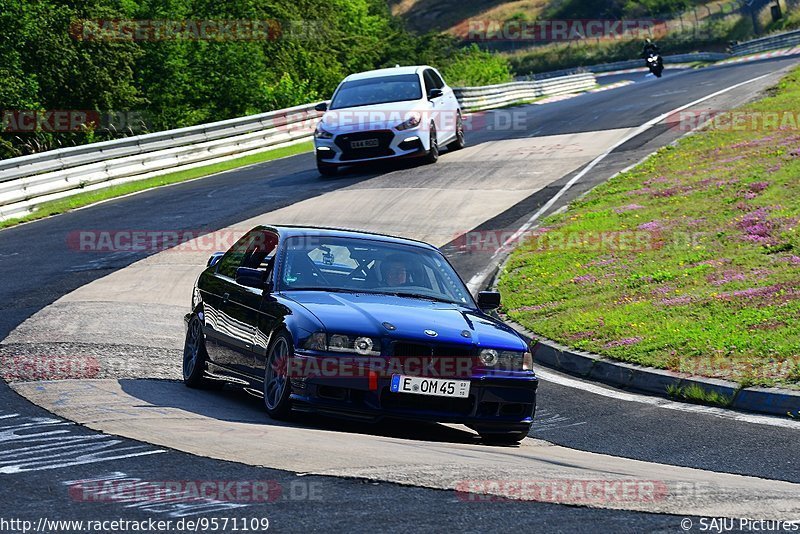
362 345
315 341
506 359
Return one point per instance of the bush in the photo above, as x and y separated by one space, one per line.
472 66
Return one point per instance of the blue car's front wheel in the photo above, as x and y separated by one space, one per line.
277 388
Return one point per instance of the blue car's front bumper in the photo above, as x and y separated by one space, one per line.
495 401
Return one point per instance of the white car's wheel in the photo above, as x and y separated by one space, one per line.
433 151
459 142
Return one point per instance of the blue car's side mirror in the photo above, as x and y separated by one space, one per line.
488 300
215 257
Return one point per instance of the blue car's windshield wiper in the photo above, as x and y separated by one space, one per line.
327 289
417 296
373 292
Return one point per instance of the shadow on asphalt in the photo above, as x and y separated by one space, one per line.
233 404
373 169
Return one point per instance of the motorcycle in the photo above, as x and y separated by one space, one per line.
655 64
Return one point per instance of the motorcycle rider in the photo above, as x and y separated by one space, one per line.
650 48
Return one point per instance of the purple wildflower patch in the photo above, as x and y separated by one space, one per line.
629 207
787 289
623 342
676 301
726 278
757 227
774 168
581 335
651 226
668 192
657 180
662 290
602 262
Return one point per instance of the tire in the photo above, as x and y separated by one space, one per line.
508 438
327 170
195 357
277 387
433 152
460 142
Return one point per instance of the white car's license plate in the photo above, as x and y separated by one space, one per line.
438 387
366 143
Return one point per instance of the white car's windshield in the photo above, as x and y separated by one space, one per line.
363 265
397 88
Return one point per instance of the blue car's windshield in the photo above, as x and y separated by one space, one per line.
397 88
369 266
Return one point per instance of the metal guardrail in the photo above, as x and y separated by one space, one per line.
494 96
29 181
771 42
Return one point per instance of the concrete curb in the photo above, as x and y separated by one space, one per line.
773 401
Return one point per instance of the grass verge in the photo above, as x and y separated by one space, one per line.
688 262
90 197
699 395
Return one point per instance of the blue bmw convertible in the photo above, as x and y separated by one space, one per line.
359 325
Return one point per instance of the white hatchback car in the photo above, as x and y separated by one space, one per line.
400 112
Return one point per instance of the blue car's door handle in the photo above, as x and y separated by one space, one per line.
225 298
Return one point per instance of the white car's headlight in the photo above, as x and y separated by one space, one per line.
412 122
321 133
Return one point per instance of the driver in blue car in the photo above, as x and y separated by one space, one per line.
394 271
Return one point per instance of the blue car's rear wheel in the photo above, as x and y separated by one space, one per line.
277 387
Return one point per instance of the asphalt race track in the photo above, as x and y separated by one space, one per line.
60 302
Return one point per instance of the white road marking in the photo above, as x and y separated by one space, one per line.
563 380
151 496
53 449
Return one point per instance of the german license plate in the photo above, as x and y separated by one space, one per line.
365 143
438 387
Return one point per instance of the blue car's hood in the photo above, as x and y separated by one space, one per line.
364 314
